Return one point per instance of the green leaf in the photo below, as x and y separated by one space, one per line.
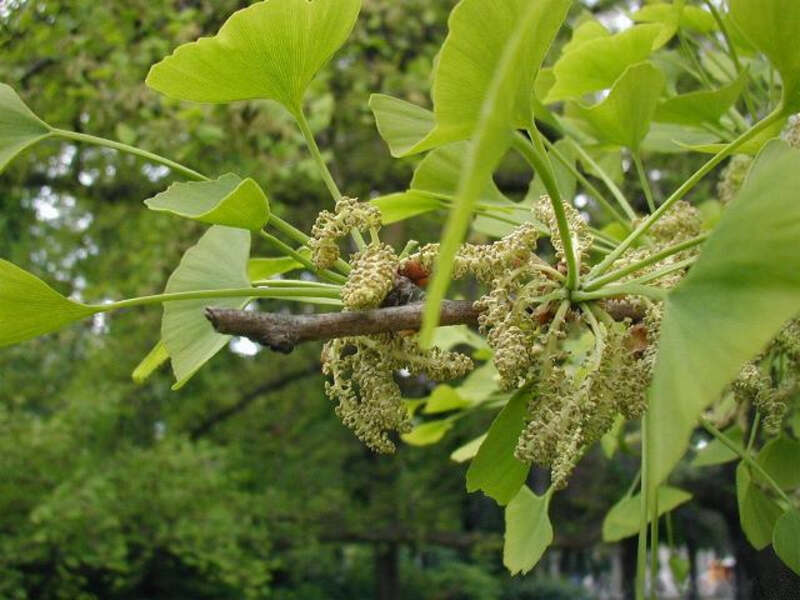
271 50
19 127
444 399
668 138
404 205
598 63
427 434
624 117
717 453
697 108
786 539
402 125
625 517
154 359
229 200
489 43
261 269
468 450
758 513
585 32
772 27
741 291
610 441
780 458
30 308
752 147
688 17
495 470
528 531
519 33
440 171
217 261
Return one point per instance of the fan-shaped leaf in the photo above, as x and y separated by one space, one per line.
402 125
271 50
743 288
625 517
477 49
29 307
528 531
771 26
598 63
697 108
404 205
19 127
624 117
154 359
786 539
218 261
495 470
758 513
229 200
519 35
261 269
427 434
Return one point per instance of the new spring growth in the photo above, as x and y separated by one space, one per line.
330 227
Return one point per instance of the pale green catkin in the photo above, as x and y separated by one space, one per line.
330 227
372 277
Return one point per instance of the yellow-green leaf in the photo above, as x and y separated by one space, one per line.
154 359
625 517
402 125
468 450
270 50
758 513
519 33
786 539
217 261
19 127
528 531
772 26
261 269
404 205
597 64
495 470
741 291
505 40
624 117
697 108
29 307
228 200
427 434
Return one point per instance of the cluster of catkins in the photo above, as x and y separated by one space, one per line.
362 369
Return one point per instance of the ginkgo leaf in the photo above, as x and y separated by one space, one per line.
475 50
217 261
427 434
598 63
690 17
402 125
771 26
261 269
495 470
440 171
624 117
269 50
625 517
19 127
229 200
528 531
520 33
697 108
758 513
585 32
29 307
740 292
150 363
404 205
785 539
468 450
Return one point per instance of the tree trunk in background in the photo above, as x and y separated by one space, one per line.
691 546
387 572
